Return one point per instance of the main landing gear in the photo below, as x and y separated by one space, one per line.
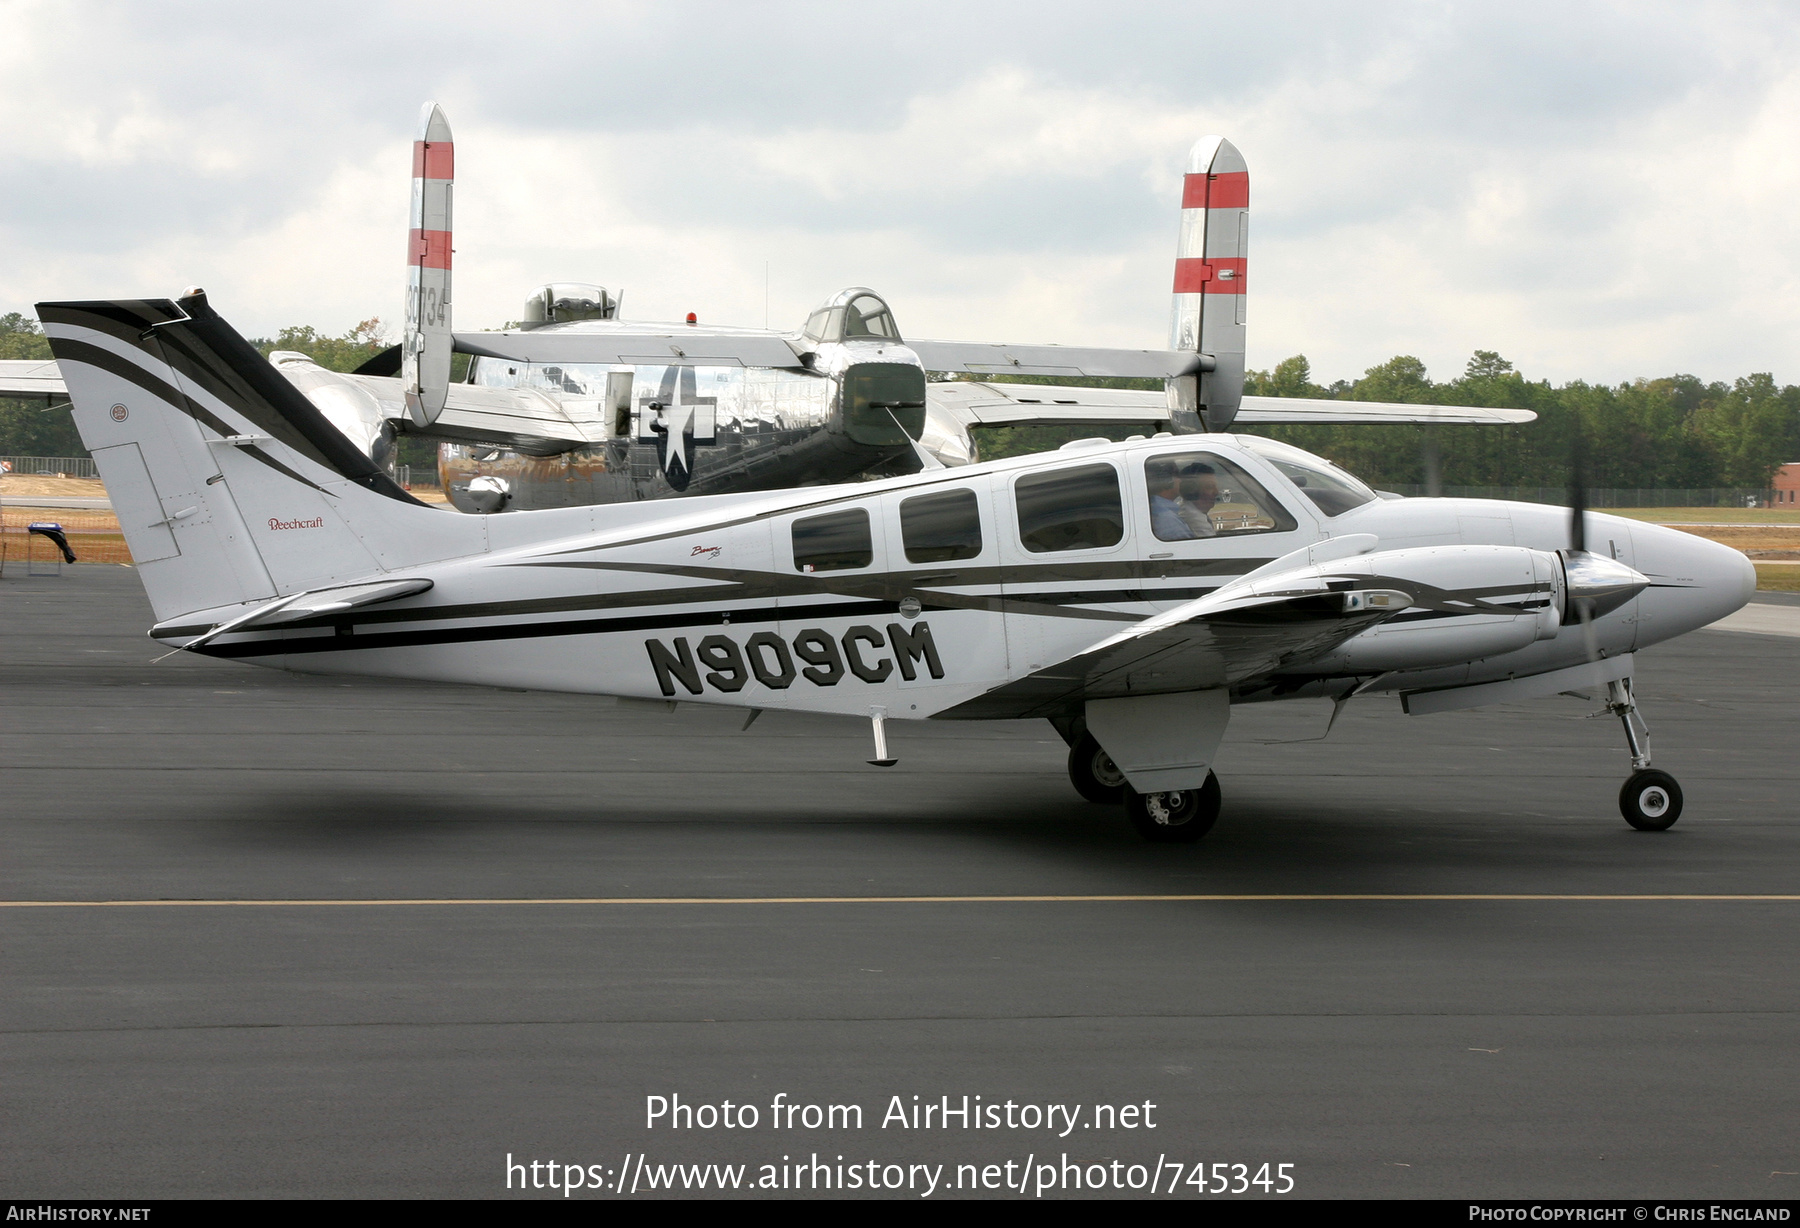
1175 817
1093 773
1650 800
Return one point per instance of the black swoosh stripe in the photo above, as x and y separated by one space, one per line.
525 631
746 586
70 350
196 343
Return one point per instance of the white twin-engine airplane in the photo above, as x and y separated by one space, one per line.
1130 592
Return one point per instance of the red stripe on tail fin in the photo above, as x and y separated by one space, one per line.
1230 190
434 160
429 249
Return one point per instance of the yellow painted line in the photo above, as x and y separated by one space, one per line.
889 899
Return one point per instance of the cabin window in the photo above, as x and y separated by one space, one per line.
1070 509
836 541
941 527
1200 494
1333 490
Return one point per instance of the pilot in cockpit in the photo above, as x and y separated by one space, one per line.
1199 492
1180 499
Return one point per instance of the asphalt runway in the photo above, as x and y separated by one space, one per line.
1398 1047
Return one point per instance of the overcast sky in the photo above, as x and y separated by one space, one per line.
1596 191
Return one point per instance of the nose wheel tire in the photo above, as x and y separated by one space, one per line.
1093 773
1650 800
1178 817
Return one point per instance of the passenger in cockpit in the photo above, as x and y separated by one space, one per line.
1166 520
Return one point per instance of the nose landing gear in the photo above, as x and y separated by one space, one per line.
1650 800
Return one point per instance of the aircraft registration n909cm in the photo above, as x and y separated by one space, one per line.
1130 593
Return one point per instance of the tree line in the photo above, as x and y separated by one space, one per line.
1677 431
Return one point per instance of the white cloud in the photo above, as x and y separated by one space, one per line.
1597 192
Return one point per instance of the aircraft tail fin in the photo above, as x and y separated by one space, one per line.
1210 255
230 486
425 350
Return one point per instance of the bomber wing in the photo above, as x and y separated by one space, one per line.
35 379
976 404
1213 641
982 358
693 347
1301 410
522 419
979 404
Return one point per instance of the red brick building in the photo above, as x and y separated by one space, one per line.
1787 485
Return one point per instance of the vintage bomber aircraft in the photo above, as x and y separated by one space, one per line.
580 407
1131 593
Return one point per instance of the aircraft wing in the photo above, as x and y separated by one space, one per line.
978 404
522 419
1217 640
666 347
32 379
1302 410
981 358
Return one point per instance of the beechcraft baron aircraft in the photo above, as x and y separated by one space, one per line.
580 407
1132 593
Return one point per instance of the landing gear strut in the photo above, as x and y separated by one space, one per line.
1650 800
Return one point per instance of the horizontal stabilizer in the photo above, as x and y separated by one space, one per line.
34 379
311 604
1303 410
981 358
661 347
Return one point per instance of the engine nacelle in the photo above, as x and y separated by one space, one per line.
562 302
1470 602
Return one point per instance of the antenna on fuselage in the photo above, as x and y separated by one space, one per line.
425 348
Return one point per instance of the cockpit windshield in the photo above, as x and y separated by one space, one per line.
1333 491
852 315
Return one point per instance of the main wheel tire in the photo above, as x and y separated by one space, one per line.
1178 817
1094 774
1650 800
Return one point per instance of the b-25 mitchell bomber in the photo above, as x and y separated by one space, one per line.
1130 593
581 407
